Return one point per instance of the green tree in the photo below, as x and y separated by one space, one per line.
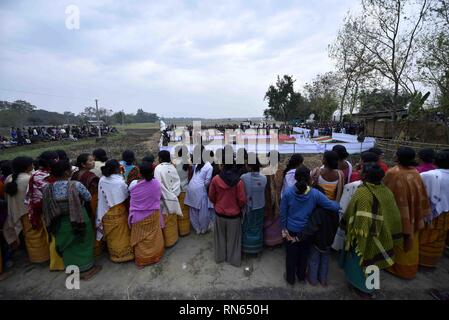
322 95
434 63
284 103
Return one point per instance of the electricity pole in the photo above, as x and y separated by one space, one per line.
123 117
98 118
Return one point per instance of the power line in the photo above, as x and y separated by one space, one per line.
44 94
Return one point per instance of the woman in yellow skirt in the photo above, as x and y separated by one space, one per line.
433 236
38 244
112 213
144 217
184 169
168 177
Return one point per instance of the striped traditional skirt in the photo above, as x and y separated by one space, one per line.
170 230
36 241
184 221
406 263
252 231
147 240
272 231
432 241
117 234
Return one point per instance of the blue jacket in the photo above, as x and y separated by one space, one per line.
297 208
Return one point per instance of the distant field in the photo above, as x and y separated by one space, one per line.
149 125
210 122
35 149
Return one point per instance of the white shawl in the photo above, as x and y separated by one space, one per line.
111 192
16 208
348 192
167 175
437 186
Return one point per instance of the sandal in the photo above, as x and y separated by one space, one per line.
86 276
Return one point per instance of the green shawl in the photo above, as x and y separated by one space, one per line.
373 226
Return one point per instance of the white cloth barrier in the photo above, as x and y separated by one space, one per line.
300 130
306 148
350 138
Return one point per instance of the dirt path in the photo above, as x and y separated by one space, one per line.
141 141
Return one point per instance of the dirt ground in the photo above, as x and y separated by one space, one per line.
188 270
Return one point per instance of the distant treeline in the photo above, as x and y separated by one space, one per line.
22 113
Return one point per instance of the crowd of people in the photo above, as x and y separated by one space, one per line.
31 135
394 218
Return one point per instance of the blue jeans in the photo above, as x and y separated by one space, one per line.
318 265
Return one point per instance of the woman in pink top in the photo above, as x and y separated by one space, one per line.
144 217
426 158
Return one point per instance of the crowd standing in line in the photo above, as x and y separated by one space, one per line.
394 218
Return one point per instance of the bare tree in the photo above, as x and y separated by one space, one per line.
350 60
434 61
388 30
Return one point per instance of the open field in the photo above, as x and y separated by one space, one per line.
141 141
148 125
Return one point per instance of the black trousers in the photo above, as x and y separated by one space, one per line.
296 259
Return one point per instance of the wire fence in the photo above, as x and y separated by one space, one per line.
390 146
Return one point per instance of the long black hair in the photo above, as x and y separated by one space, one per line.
129 157
331 159
295 161
406 156
110 167
442 159
200 165
146 170
19 165
373 173
100 155
58 169
302 176
164 156
82 159
47 158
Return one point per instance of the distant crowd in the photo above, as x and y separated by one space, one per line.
24 136
324 128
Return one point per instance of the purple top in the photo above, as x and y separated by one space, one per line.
425 167
145 199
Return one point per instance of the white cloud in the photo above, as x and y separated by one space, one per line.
176 58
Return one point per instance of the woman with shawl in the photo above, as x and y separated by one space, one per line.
85 163
67 220
40 248
196 197
15 191
168 178
372 223
413 203
145 218
112 213
184 169
432 237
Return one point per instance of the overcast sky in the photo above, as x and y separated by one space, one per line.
174 58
